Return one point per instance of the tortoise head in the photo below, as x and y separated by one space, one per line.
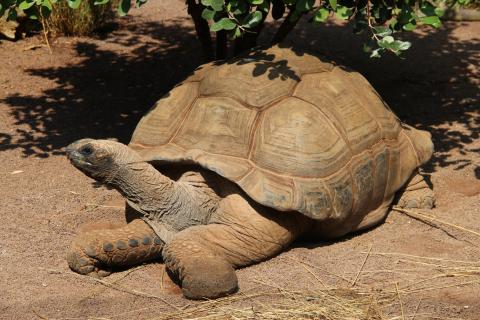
100 159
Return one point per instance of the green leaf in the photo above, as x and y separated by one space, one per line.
47 4
403 45
333 4
376 53
124 7
321 15
253 19
433 21
343 12
100 2
237 33
386 42
217 5
304 5
409 26
257 2
208 14
405 16
223 24
140 3
439 12
24 5
382 31
74 4
427 9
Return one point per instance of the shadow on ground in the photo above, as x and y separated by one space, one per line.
108 91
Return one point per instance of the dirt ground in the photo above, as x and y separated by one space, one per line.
99 87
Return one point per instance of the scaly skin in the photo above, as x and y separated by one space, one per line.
94 252
213 232
416 194
240 233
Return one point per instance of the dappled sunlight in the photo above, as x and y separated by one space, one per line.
122 74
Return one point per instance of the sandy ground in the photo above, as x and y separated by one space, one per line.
100 87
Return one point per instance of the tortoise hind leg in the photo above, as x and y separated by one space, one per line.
96 250
241 233
416 193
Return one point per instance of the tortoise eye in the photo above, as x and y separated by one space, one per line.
86 150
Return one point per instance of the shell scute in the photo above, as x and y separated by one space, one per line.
158 126
249 82
329 92
295 138
217 125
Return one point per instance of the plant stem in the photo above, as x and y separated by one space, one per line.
201 27
249 39
285 27
221 45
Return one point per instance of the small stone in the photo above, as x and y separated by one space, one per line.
107 247
103 273
146 240
157 241
121 245
82 262
133 243
88 269
91 252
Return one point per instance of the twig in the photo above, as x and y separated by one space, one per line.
428 217
400 300
119 287
45 31
324 270
361 267
416 308
443 287
314 275
122 276
421 257
39 315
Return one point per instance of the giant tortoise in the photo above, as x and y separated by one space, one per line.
244 157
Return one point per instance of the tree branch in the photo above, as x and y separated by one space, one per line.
249 39
285 27
221 45
201 27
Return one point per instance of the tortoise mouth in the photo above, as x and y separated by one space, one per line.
79 162
77 159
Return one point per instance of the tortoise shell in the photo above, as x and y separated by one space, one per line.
294 131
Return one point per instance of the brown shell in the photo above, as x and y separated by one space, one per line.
294 131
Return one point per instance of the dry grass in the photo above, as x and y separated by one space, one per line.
280 303
82 21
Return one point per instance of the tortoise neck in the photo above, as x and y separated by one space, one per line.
157 197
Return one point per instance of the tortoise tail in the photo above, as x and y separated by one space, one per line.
422 143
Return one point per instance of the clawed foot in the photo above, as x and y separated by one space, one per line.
96 251
207 279
417 199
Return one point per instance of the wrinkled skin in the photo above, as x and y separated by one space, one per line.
203 226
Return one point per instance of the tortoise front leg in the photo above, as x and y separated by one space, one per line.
95 251
240 233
